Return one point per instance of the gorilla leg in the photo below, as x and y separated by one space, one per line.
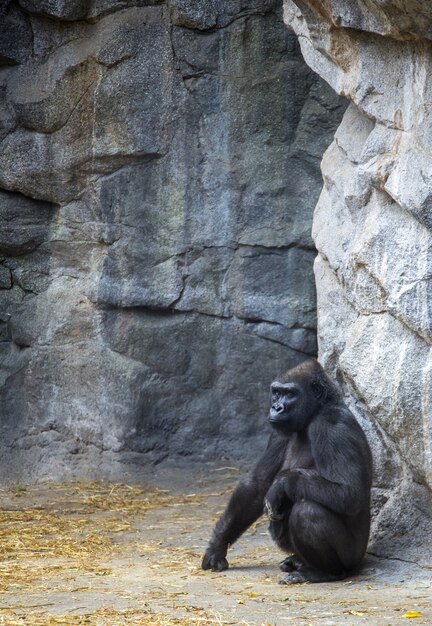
322 542
280 528
280 533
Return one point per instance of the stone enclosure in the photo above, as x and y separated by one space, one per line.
159 167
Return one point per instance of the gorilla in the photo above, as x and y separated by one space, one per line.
313 481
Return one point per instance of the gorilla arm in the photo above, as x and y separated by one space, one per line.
342 478
245 505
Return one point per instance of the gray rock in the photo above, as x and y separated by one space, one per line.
79 9
7 115
276 286
15 36
5 277
302 339
372 230
87 107
68 10
205 271
159 165
24 223
207 14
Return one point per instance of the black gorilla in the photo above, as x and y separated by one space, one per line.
313 481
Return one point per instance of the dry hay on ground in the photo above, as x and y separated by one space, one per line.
76 535
108 616
71 535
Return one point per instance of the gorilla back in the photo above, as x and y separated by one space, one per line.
313 481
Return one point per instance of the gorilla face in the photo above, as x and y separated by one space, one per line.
292 406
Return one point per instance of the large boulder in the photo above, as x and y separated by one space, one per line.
372 228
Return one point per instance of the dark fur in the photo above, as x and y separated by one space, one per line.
314 480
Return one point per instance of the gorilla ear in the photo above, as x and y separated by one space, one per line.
318 389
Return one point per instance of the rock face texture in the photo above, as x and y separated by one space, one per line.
159 164
372 228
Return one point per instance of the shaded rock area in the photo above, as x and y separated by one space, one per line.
372 228
159 165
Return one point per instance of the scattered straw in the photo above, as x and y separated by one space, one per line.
78 534
106 615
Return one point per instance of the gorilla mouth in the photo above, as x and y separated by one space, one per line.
278 419
280 427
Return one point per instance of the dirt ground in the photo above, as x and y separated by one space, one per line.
105 554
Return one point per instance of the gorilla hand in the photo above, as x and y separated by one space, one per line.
275 502
214 559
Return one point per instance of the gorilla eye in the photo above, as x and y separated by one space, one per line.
290 394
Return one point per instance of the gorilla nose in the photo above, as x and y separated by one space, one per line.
275 411
277 408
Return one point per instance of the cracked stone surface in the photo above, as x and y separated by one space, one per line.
372 230
159 164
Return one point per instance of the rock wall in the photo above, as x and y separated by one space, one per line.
372 228
159 164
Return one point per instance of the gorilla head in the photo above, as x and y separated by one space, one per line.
297 395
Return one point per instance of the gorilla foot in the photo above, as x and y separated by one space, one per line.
305 574
290 564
